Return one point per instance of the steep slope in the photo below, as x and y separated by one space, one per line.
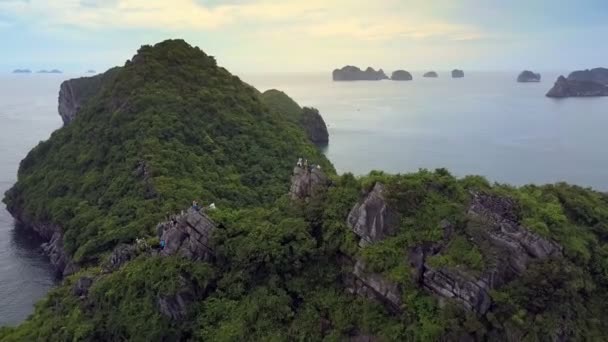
308 118
168 128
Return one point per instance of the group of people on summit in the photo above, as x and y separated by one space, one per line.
303 163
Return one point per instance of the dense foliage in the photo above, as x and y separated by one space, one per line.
172 126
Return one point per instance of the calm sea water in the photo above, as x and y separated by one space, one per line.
483 124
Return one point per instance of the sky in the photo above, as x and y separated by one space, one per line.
311 35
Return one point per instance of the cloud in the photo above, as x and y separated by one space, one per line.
354 19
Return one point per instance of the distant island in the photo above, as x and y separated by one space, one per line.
353 73
582 83
457 73
401 75
430 74
54 71
91 71
528 76
22 71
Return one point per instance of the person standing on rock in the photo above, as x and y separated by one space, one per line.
299 162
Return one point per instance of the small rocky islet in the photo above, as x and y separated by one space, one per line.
283 247
528 76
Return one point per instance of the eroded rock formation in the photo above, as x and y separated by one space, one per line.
187 235
371 219
528 76
353 73
401 75
306 181
457 73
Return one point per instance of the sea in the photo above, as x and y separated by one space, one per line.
485 124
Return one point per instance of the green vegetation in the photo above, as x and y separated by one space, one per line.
171 126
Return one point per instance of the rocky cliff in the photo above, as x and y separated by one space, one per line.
74 93
401 75
306 181
353 73
493 222
315 126
430 74
457 73
571 88
187 235
528 76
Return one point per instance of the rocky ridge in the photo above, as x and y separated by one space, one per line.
492 219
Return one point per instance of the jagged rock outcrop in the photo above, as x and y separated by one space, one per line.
528 76
493 221
175 306
306 181
457 73
371 219
187 235
120 256
74 93
401 75
315 126
430 74
353 73
583 83
512 247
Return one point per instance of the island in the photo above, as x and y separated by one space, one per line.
22 71
457 73
181 204
528 76
583 83
353 73
53 71
401 75
430 74
91 71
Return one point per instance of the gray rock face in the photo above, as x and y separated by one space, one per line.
401 75
188 235
430 74
75 93
353 73
577 88
457 73
512 249
57 255
528 76
371 219
375 287
315 126
175 306
120 256
306 181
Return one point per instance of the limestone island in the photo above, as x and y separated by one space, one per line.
457 73
353 73
22 71
401 75
583 83
180 203
430 74
528 76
